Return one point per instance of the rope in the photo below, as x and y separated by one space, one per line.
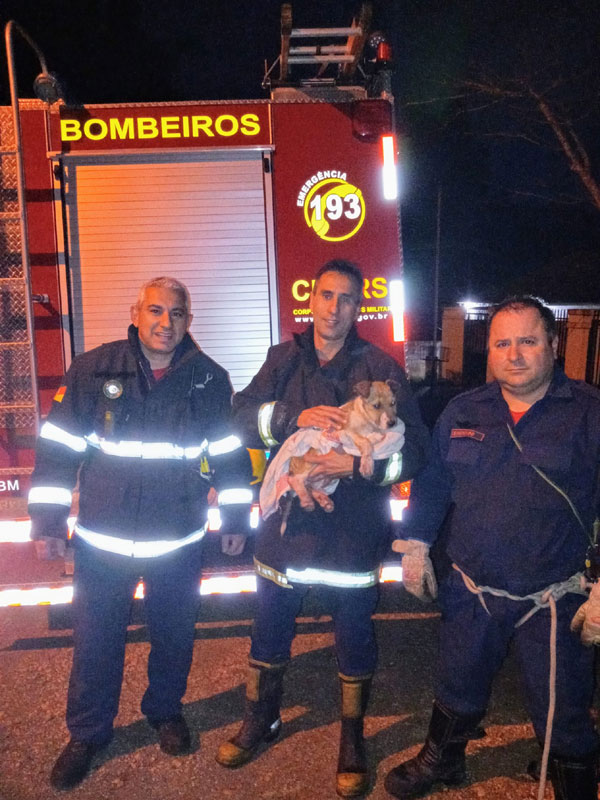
551 700
545 597
575 584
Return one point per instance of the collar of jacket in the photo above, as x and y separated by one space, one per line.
185 350
560 387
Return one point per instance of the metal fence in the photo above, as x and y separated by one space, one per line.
561 315
475 348
592 370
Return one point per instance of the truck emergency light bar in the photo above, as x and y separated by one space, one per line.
58 595
213 584
18 531
14 530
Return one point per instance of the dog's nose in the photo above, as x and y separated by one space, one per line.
391 423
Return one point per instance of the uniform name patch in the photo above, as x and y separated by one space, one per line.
467 433
58 397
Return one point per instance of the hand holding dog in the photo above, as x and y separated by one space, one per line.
329 465
323 417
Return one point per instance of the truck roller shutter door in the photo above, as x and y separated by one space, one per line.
200 218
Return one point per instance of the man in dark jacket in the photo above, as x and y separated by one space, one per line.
143 424
301 384
517 460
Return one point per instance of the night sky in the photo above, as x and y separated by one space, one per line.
513 215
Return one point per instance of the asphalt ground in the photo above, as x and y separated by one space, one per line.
34 669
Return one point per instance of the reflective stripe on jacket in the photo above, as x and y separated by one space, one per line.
354 537
145 452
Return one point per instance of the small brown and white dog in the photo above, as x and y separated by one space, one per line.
371 413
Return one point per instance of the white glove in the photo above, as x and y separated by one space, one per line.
49 548
587 618
418 576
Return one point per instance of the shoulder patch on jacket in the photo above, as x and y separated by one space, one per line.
58 397
467 433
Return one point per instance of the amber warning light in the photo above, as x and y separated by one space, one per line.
384 52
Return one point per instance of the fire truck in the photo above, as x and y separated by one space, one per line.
241 200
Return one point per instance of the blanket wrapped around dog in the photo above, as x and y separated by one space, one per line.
276 483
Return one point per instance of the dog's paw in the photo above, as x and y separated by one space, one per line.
323 500
367 465
307 503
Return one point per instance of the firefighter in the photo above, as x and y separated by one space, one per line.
144 425
517 459
301 384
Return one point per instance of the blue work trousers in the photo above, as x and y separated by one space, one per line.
473 645
351 609
103 585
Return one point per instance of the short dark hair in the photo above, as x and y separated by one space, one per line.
520 303
348 268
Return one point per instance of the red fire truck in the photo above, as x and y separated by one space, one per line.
242 200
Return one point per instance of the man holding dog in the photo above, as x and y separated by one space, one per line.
517 459
302 384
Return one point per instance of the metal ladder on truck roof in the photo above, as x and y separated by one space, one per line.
321 48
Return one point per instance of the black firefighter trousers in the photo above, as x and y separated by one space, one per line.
104 584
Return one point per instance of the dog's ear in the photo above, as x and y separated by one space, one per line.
362 389
394 385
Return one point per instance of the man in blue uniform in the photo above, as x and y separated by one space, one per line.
301 384
143 425
517 460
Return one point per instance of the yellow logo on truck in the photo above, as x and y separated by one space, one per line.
333 208
163 127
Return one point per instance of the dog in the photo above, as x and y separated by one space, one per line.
371 412
372 423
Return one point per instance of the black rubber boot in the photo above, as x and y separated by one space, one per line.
352 779
441 759
73 764
261 723
574 779
173 735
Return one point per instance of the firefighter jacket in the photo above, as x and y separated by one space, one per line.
509 528
145 452
344 547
